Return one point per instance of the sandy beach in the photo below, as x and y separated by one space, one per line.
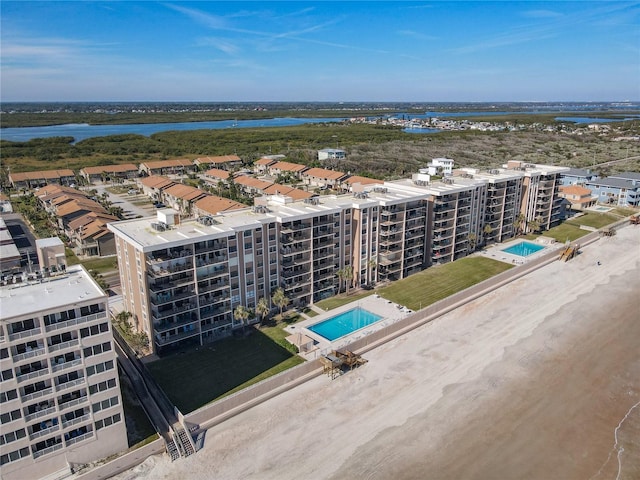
537 380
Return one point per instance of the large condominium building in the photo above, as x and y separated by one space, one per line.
183 279
540 200
60 402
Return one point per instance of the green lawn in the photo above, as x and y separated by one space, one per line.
198 376
441 281
570 230
101 265
343 299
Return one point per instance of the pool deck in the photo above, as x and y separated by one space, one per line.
497 252
388 310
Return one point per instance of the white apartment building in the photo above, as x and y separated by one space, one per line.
182 280
60 401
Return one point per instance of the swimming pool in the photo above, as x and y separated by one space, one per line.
523 249
344 323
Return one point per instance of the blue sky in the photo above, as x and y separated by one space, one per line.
319 51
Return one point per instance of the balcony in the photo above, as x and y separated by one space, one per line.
48 450
167 339
39 414
24 334
72 403
40 393
158 271
79 438
64 345
75 321
30 353
69 384
43 432
58 367
75 421
31 375
168 312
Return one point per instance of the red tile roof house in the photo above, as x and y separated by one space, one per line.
224 162
261 166
215 175
123 171
90 234
154 185
282 167
286 191
182 197
322 178
69 211
354 181
212 205
28 180
580 198
168 167
250 185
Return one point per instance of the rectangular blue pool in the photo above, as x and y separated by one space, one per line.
523 249
344 323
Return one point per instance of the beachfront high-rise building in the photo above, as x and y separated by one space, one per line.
182 279
540 200
60 401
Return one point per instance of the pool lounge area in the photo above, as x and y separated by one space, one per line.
339 327
519 251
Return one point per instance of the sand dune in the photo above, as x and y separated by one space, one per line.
537 380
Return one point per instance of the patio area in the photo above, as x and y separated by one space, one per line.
388 310
497 251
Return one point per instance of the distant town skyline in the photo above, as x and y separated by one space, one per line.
319 51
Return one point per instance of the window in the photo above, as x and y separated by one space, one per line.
12 436
6 375
102 386
97 349
9 416
108 421
13 456
103 405
94 330
7 396
99 368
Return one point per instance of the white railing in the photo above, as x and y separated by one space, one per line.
38 394
61 366
73 403
60 346
30 354
44 432
72 383
76 321
41 413
40 453
29 376
79 438
25 334
75 421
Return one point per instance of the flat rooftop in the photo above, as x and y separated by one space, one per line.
34 296
141 233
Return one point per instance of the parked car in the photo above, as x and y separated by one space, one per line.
159 205
133 191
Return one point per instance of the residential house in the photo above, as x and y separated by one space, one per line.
322 178
577 176
331 154
168 167
125 171
224 162
615 191
182 197
577 197
286 168
29 180
154 185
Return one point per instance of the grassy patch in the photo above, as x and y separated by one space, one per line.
71 257
593 219
441 281
339 300
309 312
196 377
101 265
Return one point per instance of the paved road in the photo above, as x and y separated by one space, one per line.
125 201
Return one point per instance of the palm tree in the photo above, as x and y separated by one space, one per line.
262 309
280 299
372 263
348 276
488 229
473 242
242 313
519 223
341 274
533 225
